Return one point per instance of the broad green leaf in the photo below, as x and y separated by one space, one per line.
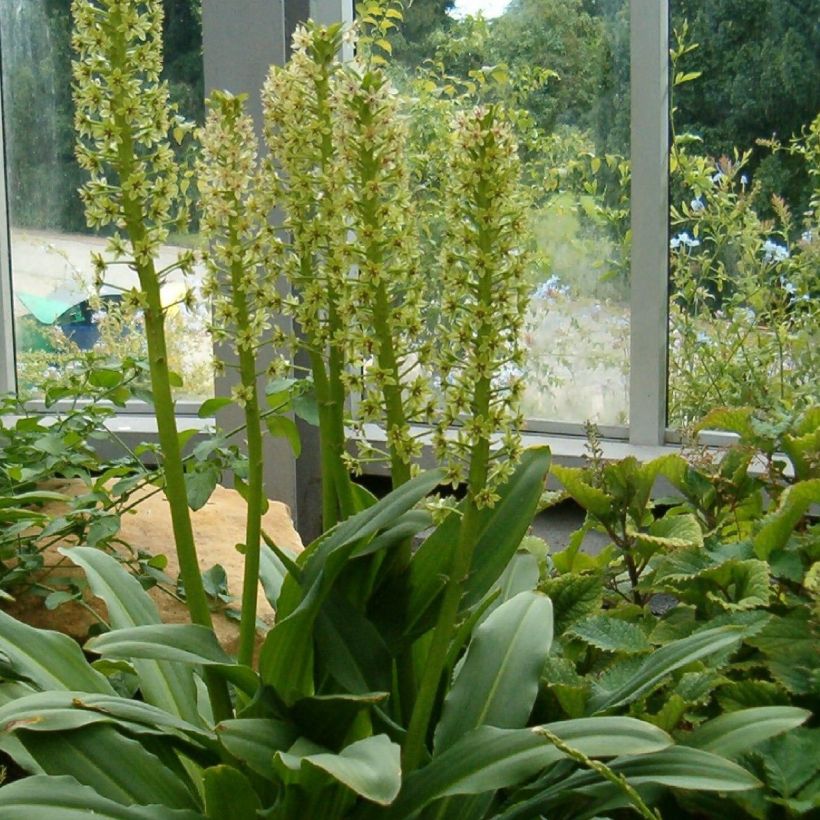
48 659
592 499
102 528
611 634
735 420
63 798
285 427
733 734
778 526
182 643
371 767
662 662
229 794
33 497
200 484
167 685
114 766
488 759
331 720
498 680
210 407
254 741
272 573
521 575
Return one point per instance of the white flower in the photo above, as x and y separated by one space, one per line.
697 204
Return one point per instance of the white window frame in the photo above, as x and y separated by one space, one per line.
241 38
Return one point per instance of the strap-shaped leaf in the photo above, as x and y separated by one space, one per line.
229 794
182 643
664 661
114 766
63 798
167 685
498 680
487 759
677 767
406 607
734 733
48 659
63 710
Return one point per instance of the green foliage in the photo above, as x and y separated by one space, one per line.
716 641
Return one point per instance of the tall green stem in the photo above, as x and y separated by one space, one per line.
154 320
253 427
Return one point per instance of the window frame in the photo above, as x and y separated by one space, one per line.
242 38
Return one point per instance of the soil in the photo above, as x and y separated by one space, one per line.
218 527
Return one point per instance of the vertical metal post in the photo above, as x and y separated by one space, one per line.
240 40
649 27
8 381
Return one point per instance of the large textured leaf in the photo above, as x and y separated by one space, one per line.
229 794
167 685
590 498
63 798
790 646
737 732
370 767
573 597
487 759
778 527
742 584
673 532
182 643
498 681
114 766
48 659
662 662
611 634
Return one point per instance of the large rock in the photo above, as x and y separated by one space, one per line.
218 527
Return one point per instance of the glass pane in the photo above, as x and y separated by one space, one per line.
745 246
562 67
55 317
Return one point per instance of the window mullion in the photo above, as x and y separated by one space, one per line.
8 381
650 208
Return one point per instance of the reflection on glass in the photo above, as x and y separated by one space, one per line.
57 312
745 245
562 69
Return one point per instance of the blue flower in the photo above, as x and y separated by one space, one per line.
697 204
774 253
683 239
